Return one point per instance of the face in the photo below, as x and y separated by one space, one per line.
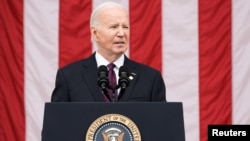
112 32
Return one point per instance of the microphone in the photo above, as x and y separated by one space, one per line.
123 81
102 73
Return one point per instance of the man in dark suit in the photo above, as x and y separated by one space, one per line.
77 82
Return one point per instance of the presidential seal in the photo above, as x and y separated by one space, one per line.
113 127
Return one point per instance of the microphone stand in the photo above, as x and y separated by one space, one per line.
105 91
121 93
113 95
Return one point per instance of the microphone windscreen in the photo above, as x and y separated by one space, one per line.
102 68
123 69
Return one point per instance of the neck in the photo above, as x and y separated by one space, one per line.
110 57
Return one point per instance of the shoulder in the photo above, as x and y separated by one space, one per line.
141 68
79 64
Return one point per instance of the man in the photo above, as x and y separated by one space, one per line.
77 82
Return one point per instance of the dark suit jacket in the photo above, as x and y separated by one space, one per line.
77 82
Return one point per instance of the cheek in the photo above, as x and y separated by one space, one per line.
107 37
127 34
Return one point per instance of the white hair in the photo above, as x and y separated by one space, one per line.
94 20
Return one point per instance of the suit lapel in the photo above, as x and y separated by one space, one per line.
89 74
134 75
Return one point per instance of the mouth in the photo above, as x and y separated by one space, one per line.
119 42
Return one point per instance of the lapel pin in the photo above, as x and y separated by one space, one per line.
133 73
131 77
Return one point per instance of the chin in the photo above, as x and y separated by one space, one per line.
119 52
121 49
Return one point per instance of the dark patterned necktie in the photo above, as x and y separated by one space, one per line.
112 82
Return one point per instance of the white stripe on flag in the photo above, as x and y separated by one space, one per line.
241 65
41 60
180 59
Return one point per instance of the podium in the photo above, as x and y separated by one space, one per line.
129 121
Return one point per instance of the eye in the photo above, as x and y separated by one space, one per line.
125 26
113 26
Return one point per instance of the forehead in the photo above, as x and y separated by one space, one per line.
115 14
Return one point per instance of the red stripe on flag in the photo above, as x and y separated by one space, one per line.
215 65
74 36
146 32
12 119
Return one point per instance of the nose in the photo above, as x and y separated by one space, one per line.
121 32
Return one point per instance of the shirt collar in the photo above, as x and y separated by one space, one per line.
102 61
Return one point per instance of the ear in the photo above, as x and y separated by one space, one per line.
93 33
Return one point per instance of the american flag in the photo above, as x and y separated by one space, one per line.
202 48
